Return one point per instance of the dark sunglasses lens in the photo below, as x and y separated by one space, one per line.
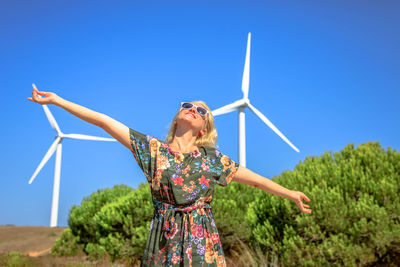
187 105
201 111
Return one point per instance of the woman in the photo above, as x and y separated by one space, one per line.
182 173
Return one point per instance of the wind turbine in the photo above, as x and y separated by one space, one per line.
243 103
57 145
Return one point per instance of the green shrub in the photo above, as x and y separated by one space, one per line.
95 251
123 225
355 217
66 245
230 205
80 218
110 222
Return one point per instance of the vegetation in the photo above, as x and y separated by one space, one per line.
232 202
356 210
355 218
111 222
14 259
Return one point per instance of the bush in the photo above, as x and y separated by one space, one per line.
80 218
95 251
232 202
110 222
66 245
123 225
356 210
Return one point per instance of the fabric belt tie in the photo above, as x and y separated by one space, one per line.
167 210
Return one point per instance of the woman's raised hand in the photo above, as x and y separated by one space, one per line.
298 197
48 97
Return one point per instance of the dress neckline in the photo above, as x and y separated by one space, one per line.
183 153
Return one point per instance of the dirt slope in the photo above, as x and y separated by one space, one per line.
32 240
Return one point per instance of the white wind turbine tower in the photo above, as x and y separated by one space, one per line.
241 104
57 145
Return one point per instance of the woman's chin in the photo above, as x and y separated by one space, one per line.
188 122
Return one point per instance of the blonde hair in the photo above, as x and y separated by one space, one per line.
208 139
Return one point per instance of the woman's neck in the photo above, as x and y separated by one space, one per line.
176 147
184 140
183 144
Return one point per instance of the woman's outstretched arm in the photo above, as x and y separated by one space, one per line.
246 176
116 129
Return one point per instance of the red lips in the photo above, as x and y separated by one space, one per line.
194 116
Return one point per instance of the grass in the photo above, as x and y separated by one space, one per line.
244 255
241 255
14 259
17 259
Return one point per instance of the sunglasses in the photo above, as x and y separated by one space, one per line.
200 110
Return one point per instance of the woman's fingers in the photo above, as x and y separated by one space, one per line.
41 93
305 197
35 97
38 92
306 210
299 201
304 207
42 97
34 94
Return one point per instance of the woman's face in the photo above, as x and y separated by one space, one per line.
190 117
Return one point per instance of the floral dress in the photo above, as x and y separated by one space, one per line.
182 231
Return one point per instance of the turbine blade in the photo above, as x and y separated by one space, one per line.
50 117
266 121
222 110
227 108
46 157
246 71
87 137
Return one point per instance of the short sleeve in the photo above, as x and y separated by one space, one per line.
226 168
144 149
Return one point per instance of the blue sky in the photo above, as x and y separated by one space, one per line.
325 73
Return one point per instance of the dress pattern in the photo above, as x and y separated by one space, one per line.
182 231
